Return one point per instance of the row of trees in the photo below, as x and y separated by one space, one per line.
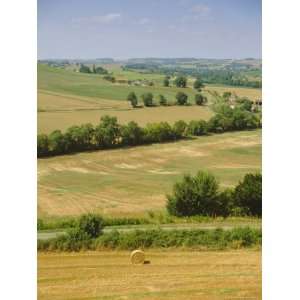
148 99
201 195
110 134
181 82
95 70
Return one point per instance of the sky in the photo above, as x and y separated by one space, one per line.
123 29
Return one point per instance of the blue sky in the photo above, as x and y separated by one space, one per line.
149 28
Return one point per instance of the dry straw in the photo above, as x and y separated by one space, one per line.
137 257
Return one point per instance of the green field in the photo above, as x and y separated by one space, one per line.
135 180
170 275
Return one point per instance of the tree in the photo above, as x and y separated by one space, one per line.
162 100
158 132
166 82
179 128
84 69
110 78
197 128
200 99
194 196
91 224
198 84
180 81
107 133
147 99
248 194
57 142
245 103
42 145
132 134
132 98
181 98
100 70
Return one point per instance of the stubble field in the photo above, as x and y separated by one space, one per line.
132 181
192 275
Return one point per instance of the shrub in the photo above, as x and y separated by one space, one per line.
91 225
248 194
181 98
194 196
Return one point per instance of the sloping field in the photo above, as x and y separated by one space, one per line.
135 180
67 98
93 86
171 275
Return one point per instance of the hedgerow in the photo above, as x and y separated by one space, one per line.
110 134
196 239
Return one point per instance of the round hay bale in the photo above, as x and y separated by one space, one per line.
137 257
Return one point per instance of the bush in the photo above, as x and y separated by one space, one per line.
181 98
194 196
248 194
91 225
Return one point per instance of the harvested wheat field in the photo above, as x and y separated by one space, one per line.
171 275
132 181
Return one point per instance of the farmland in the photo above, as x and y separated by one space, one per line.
132 181
172 274
67 98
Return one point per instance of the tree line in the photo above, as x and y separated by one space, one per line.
148 99
110 134
201 195
94 70
219 76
